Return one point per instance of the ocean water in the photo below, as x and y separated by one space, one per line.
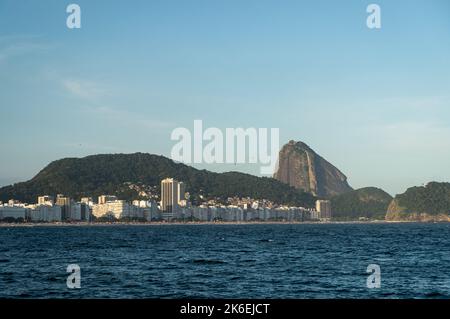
226 261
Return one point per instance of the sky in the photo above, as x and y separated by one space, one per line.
373 102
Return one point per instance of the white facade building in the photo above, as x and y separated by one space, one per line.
118 209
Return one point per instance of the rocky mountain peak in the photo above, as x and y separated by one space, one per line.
301 167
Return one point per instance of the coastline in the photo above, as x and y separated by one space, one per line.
116 224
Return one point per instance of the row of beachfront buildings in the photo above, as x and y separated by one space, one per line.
174 206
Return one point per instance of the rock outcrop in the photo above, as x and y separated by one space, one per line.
300 167
429 203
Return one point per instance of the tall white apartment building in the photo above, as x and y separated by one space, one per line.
172 195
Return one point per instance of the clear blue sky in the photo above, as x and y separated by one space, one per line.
375 103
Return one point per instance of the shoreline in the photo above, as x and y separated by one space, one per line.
234 223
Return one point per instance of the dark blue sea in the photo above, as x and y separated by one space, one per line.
226 261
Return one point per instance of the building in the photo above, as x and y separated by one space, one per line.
147 210
314 215
150 210
45 200
64 202
141 203
103 199
45 213
118 209
80 212
323 208
13 202
88 201
169 197
181 193
13 212
200 213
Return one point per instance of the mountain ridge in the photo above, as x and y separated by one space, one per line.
366 202
98 174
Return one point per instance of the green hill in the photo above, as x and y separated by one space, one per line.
368 202
425 203
110 173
